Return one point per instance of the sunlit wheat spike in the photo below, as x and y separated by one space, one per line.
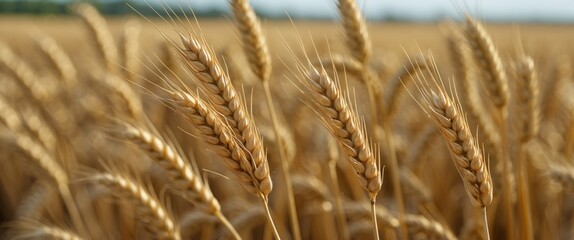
254 41
464 150
487 57
345 125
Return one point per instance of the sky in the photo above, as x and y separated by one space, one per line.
494 10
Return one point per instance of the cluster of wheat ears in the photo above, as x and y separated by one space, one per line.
202 144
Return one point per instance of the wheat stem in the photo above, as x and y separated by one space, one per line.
485 223
228 225
374 216
284 163
395 178
506 183
265 203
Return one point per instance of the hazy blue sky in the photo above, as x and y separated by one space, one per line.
506 10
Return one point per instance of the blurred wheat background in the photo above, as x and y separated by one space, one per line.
171 127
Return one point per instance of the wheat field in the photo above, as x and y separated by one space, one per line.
248 128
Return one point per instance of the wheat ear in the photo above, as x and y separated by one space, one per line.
151 210
346 127
467 157
254 41
356 33
183 178
257 52
216 85
221 137
488 60
59 60
227 103
24 75
101 35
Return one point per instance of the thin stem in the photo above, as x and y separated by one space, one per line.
265 203
485 223
73 209
341 221
284 164
395 179
524 196
374 215
506 186
228 225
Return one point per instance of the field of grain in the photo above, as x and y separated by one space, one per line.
240 128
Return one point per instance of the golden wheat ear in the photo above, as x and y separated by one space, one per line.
100 33
446 112
185 180
150 210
